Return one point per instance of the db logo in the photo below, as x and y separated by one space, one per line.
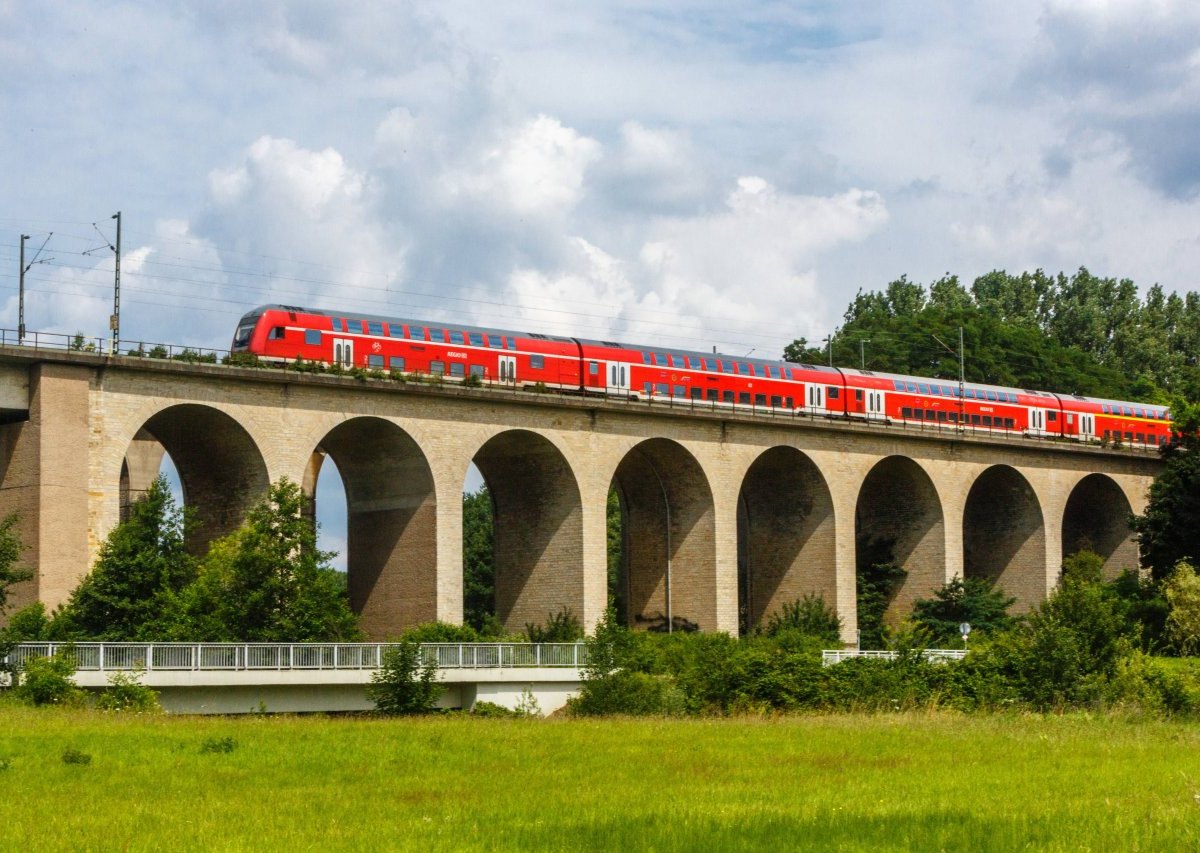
376 347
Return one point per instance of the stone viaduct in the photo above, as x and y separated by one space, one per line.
721 512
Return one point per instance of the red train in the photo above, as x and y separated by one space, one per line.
576 365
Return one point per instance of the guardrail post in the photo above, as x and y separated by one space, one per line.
102 657
537 654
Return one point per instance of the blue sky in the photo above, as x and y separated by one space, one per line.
703 173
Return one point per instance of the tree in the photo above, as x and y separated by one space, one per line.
973 600
267 582
1182 590
479 570
143 564
10 552
1166 532
404 684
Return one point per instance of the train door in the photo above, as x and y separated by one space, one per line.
618 378
508 370
1037 421
875 409
1087 427
343 352
816 398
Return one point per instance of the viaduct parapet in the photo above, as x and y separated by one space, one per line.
726 516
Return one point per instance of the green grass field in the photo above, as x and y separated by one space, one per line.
905 782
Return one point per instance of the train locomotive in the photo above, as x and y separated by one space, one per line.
506 358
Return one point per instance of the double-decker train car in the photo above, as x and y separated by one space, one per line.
609 368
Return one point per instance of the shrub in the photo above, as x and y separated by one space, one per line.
877 585
70 755
125 692
246 359
808 615
560 627
633 693
47 681
440 632
404 684
1182 590
158 351
973 600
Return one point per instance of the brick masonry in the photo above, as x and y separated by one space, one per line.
802 492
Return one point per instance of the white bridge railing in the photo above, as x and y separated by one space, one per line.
829 658
280 656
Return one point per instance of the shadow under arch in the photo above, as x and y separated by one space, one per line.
537 528
1004 535
669 560
1097 518
391 522
221 470
898 518
786 535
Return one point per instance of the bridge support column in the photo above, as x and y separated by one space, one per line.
46 482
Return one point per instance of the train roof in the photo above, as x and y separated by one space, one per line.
666 350
409 321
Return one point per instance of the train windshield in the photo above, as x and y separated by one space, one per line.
242 337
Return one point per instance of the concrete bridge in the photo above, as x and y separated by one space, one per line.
723 512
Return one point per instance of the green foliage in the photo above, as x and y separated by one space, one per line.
125 692
561 627
615 536
974 600
47 681
1083 566
77 757
267 582
1182 591
217 745
29 624
440 632
877 584
1166 532
246 359
473 381
479 571
404 684
809 616
142 566
10 553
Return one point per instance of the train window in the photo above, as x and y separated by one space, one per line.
789 402
354 327
906 412
495 342
1107 434
396 362
374 327
744 398
726 396
898 385
312 337
476 339
713 395
987 420
337 324
832 392
697 393
974 420
941 416
437 367
1141 413
395 330
935 390
594 368
858 395
1129 436
776 401
911 387
457 338
510 343
647 388
954 417
660 360
375 362
678 391
760 399
478 370
457 368
1052 416
1141 438
919 414
991 395
947 391
1009 423
1128 411
276 334
662 389
647 359
922 387
744 369
1105 407
537 362
422 333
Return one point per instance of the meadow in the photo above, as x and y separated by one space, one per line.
885 782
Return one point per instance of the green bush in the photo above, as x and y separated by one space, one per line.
631 693
404 684
47 681
808 615
561 627
440 632
125 692
973 600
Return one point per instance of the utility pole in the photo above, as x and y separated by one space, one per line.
962 378
115 321
829 347
862 351
21 282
